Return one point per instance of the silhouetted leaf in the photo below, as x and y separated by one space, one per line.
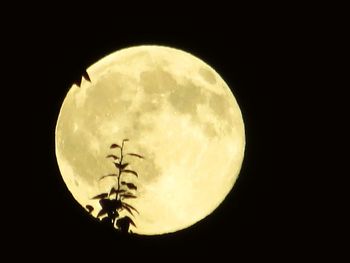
108 175
131 221
131 207
131 186
89 208
128 209
116 214
115 191
116 204
114 145
112 215
112 156
131 172
78 81
100 196
86 76
101 213
136 155
123 224
128 195
126 140
110 205
106 220
104 203
121 166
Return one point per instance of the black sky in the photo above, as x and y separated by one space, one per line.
261 217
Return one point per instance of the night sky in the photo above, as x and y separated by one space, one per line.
261 217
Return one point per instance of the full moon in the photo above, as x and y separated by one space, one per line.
176 111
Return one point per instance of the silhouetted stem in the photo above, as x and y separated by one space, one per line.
120 163
119 175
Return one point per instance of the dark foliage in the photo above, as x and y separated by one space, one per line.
89 208
112 203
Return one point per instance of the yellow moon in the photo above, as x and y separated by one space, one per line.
176 111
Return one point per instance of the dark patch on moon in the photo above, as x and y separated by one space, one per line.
157 81
113 85
220 105
209 130
152 104
147 169
207 75
138 126
186 98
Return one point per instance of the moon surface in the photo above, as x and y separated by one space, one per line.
176 111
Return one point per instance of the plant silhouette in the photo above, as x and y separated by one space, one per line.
114 201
